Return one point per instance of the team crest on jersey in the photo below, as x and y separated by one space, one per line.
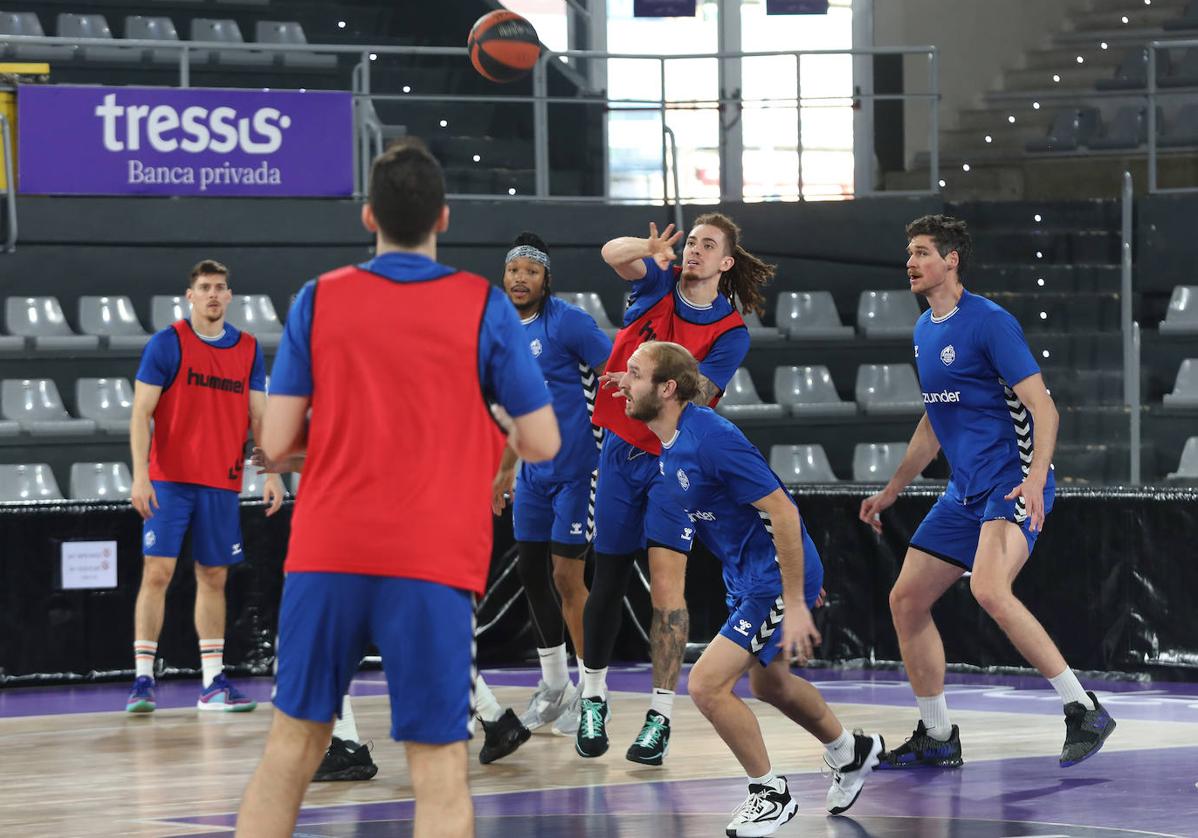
948 354
683 480
150 538
917 350
536 347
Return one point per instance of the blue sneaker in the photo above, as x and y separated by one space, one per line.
924 751
225 697
141 697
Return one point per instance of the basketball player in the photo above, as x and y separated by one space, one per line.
987 406
391 534
694 305
744 515
552 503
202 383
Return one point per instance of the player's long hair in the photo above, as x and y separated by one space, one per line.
743 283
533 240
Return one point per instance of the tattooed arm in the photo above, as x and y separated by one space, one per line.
707 391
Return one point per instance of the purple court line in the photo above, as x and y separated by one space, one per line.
1143 790
1161 701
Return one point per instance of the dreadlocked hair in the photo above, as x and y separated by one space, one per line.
741 284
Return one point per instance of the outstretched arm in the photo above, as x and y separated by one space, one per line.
626 254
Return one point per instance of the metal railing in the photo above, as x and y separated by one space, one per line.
369 132
1130 330
10 189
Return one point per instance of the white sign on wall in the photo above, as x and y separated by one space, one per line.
88 564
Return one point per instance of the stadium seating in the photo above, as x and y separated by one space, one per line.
1185 388
113 320
741 401
93 26
9 428
1182 315
876 462
757 330
165 310
41 320
37 406
1069 131
808 392
251 481
1187 467
290 32
148 28
226 31
801 464
1185 71
589 302
1132 73
1127 129
26 23
887 314
1188 19
1183 129
106 401
102 481
28 481
888 390
809 315
255 313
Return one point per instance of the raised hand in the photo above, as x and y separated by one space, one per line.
661 247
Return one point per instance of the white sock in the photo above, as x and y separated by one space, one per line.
581 667
1070 689
345 727
840 750
553 666
144 652
594 683
212 653
485 705
764 780
934 712
663 702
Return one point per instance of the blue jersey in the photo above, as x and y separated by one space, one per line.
713 472
729 349
505 365
162 354
569 346
968 361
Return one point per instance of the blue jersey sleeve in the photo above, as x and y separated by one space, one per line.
738 465
585 339
258 371
160 359
725 357
510 374
292 372
1007 348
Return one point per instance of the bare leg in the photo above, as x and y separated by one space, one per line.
797 699
151 597
439 783
670 627
272 799
210 600
1002 553
922 581
710 683
571 585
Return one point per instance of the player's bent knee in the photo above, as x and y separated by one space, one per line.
994 598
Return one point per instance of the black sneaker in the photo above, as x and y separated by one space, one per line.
923 751
653 742
1085 731
764 811
591 739
502 737
345 760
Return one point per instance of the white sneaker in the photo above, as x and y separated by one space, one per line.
848 780
567 722
546 704
764 811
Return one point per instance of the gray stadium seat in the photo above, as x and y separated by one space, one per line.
28 481
94 26
808 392
1185 388
1182 316
741 400
106 401
1132 73
41 319
147 28
165 310
255 313
26 23
589 302
290 32
809 315
1185 72
1188 19
113 319
757 330
252 481
9 428
1183 131
876 462
1187 467
37 406
888 390
1128 128
1070 130
801 464
887 314
226 31
295 481
100 481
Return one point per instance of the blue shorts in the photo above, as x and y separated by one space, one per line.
562 513
754 621
212 515
951 529
631 510
423 630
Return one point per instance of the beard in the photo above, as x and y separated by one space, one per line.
689 276
646 408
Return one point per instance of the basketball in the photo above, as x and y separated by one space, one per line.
503 46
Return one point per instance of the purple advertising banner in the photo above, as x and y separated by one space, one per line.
663 8
183 141
796 7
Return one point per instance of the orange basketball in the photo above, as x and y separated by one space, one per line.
503 46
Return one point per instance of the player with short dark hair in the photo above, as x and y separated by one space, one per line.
202 383
747 519
987 406
391 534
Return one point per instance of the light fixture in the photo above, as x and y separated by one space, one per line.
1103 45
477 157
1125 18
1056 78
1045 353
989 139
965 167
1039 254
444 123
407 88
1081 60
943 184
373 57
1044 315
1035 106
1011 119
1037 217
1040 282
511 190
341 24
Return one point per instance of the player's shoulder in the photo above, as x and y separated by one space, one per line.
704 423
166 339
975 306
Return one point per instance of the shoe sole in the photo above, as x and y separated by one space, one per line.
656 759
788 814
356 773
140 707
1097 748
871 763
226 708
522 737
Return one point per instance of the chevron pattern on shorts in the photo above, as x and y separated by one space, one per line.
590 389
767 629
1023 436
